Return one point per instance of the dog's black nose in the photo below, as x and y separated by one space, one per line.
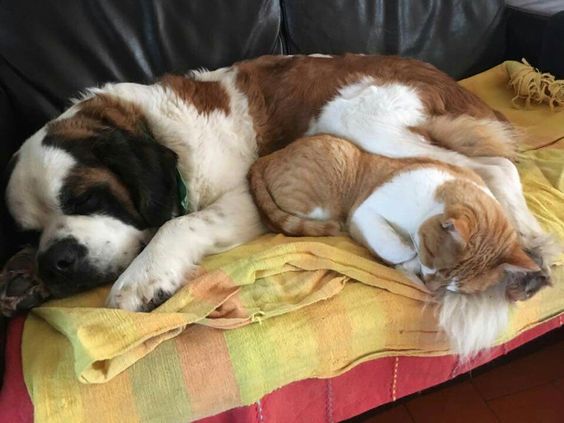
61 259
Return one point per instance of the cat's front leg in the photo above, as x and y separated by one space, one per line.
413 266
173 255
371 229
412 269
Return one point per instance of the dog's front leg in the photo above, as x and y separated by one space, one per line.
173 255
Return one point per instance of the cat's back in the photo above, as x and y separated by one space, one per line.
319 161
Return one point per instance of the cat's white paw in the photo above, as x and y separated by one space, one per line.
411 266
412 269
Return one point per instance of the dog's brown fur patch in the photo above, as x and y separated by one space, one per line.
85 178
286 93
95 121
206 96
102 111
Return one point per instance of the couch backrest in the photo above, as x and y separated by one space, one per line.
460 37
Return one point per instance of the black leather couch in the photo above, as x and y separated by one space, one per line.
50 50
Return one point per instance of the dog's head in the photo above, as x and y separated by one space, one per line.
95 183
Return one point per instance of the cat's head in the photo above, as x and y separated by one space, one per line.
468 249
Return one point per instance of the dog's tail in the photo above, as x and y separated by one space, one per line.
471 136
286 221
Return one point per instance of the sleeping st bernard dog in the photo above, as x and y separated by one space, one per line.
101 184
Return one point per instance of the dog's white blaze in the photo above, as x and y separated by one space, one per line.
111 243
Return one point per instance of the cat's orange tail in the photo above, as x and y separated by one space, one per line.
280 220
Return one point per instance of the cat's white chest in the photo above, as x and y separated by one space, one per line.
404 202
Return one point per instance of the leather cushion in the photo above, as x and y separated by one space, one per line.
461 37
53 49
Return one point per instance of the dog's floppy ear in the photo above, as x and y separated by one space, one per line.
146 168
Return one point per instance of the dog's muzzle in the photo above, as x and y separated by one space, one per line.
65 269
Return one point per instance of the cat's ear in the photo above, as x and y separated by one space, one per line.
517 261
457 228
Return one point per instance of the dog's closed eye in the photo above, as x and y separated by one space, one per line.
85 203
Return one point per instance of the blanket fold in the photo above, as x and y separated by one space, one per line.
271 276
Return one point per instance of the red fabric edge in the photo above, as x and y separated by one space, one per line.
362 388
366 386
15 404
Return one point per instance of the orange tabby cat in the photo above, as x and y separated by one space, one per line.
424 216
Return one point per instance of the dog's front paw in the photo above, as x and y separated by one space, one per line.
142 296
147 283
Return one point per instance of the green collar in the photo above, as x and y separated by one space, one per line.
182 190
184 206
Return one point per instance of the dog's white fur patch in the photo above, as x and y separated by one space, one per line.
34 186
111 243
174 253
376 118
474 322
215 150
